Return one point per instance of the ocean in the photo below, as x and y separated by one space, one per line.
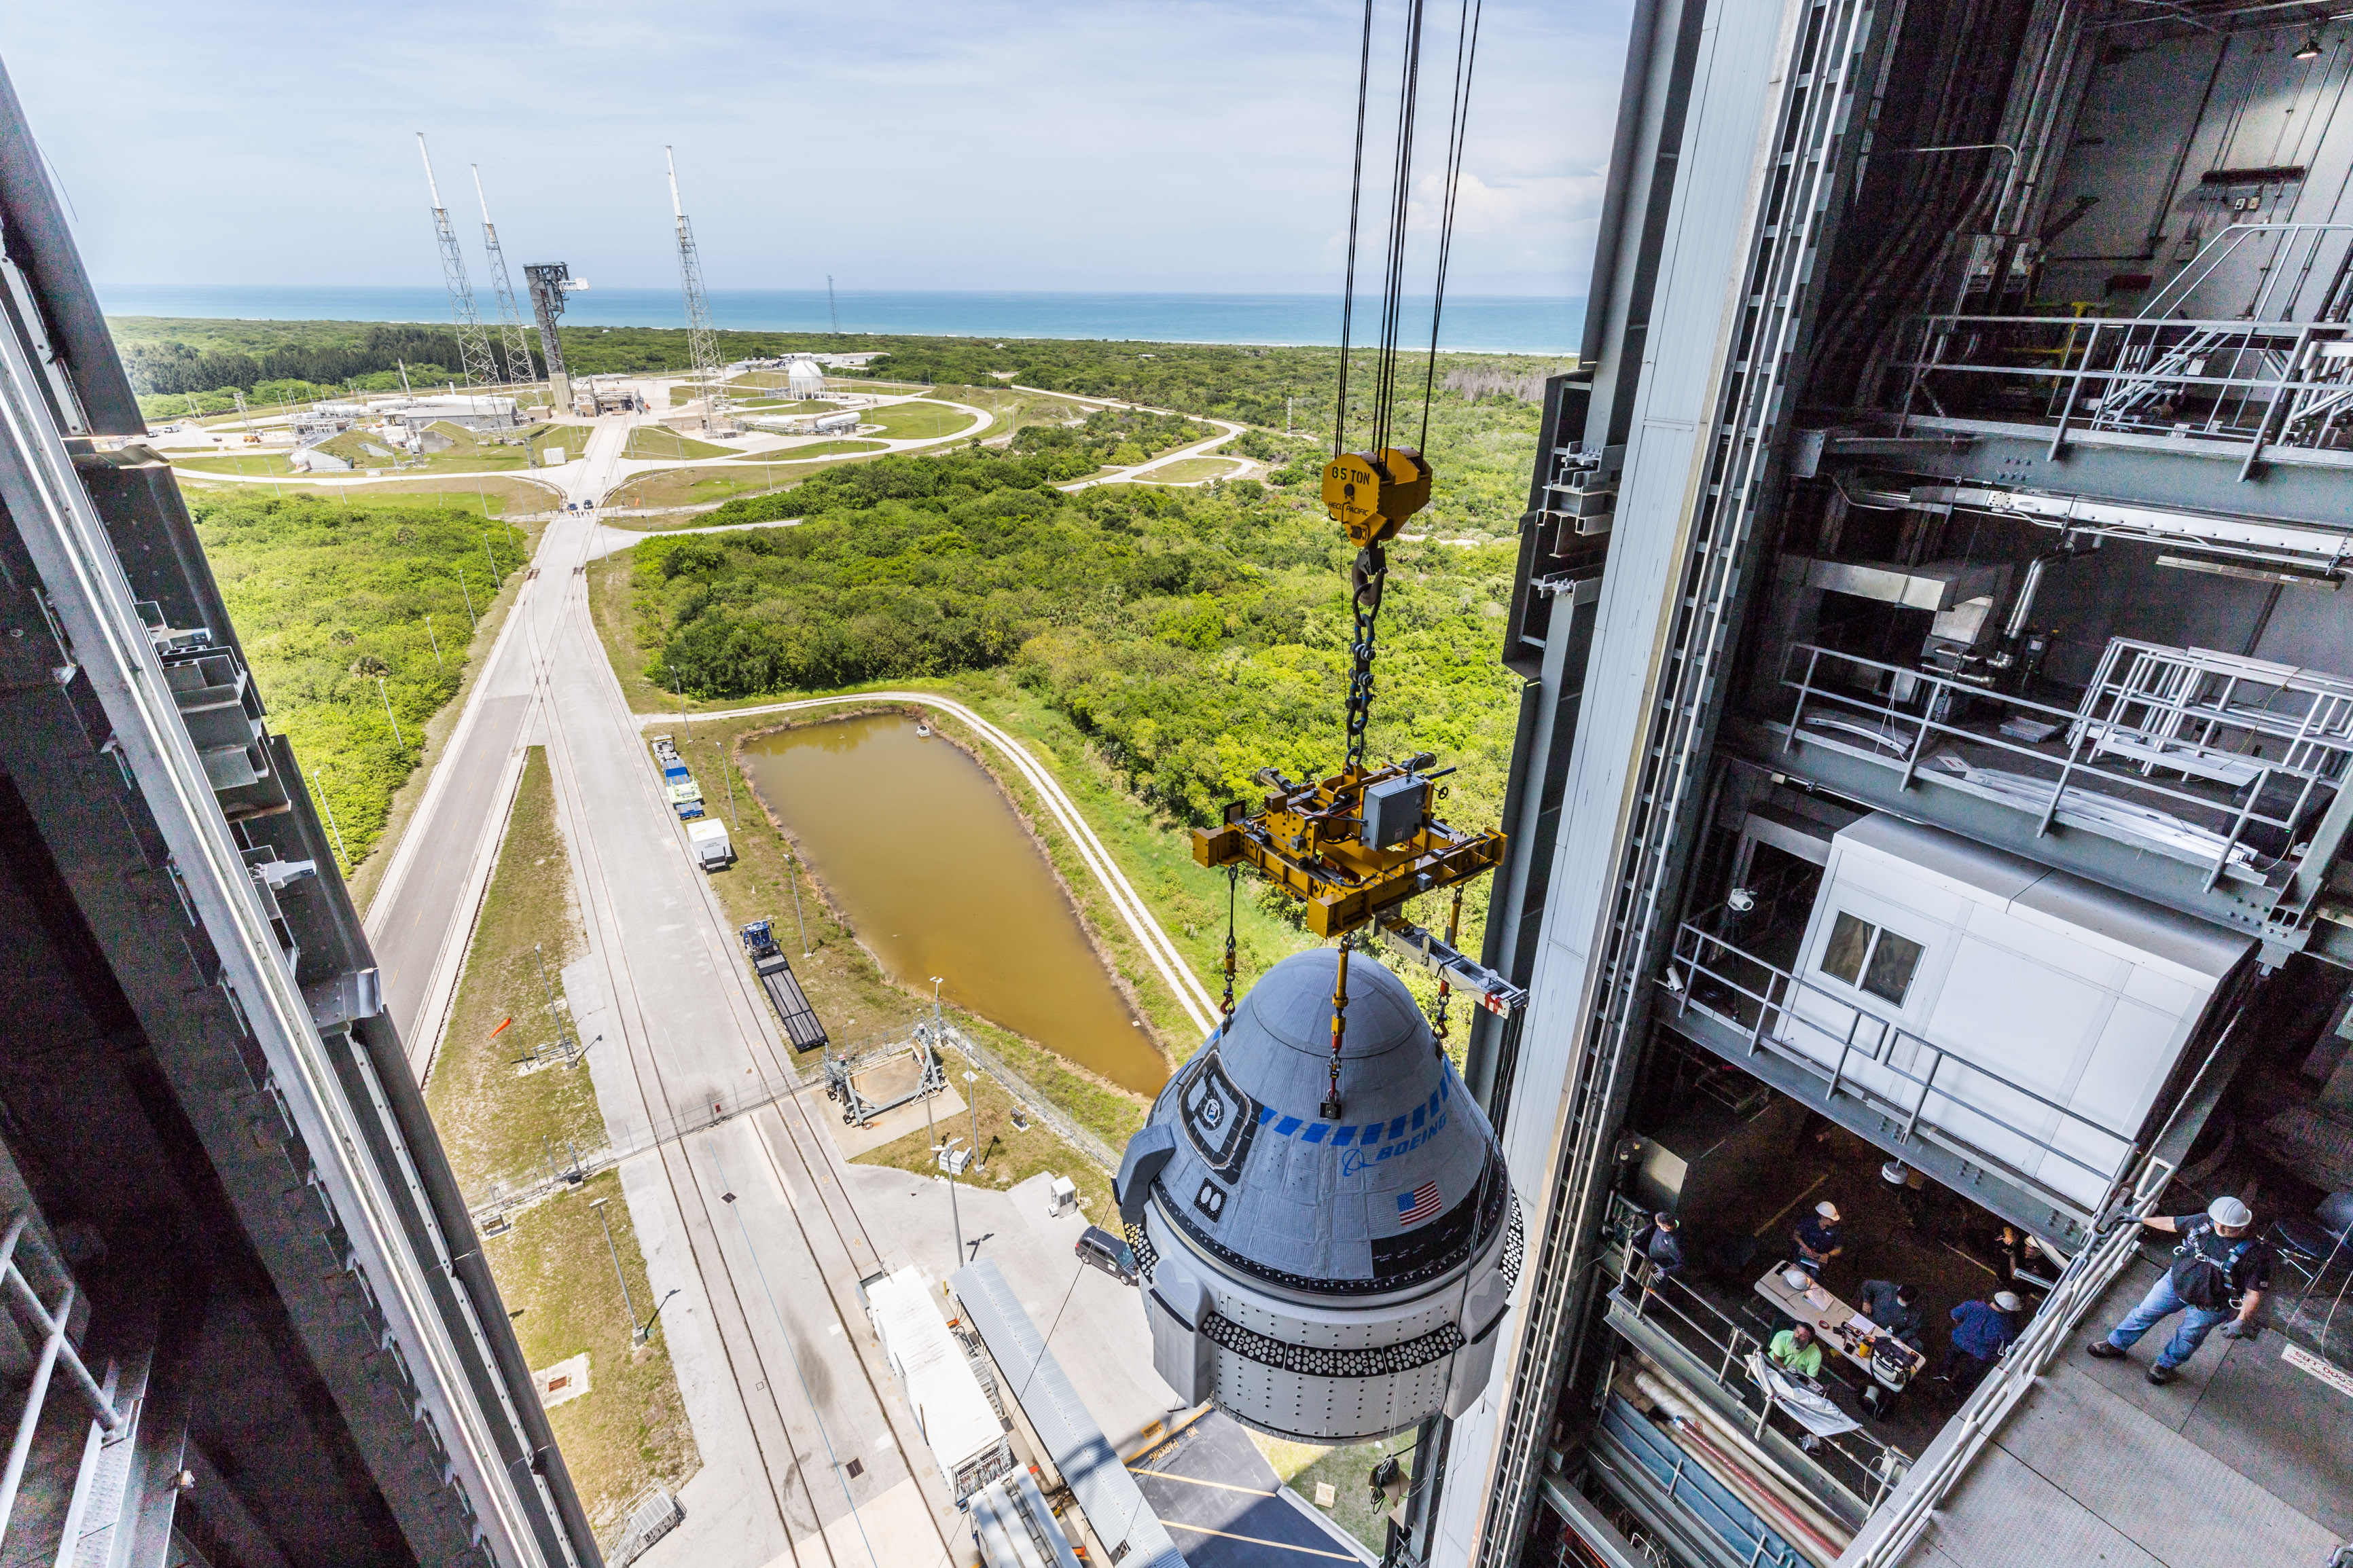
1474 323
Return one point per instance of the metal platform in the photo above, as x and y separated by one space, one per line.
2245 1460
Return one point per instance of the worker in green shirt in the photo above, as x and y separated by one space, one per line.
1795 1350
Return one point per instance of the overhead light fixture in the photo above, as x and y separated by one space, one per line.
2311 49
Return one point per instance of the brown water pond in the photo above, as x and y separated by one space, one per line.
939 877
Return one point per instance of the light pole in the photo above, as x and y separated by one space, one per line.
972 1103
938 1148
793 875
437 663
731 782
330 809
382 691
636 1334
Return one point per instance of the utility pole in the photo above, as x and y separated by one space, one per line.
473 342
702 347
469 598
725 774
486 550
436 642
545 986
972 1103
381 690
793 875
637 1333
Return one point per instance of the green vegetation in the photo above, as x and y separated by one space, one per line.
836 448
1191 470
687 487
330 594
501 497
555 1277
1299 1465
503 1130
460 451
166 356
1192 637
658 441
917 420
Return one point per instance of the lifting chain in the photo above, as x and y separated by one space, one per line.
1371 574
1226 1021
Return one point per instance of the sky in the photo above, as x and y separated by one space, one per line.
1050 146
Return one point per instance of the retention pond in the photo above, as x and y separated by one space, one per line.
939 875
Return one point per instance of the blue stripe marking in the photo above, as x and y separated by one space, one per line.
1286 1127
1396 1127
1315 1133
1420 1116
1265 1114
1344 1136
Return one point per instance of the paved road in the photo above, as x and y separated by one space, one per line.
409 928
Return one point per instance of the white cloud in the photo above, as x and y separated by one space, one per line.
1058 144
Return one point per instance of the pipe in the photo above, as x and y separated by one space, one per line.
1696 1439
1716 1426
2024 607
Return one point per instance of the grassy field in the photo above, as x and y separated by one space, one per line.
842 448
328 596
687 486
555 1276
918 420
465 454
503 1129
658 441
485 496
1347 1471
1192 470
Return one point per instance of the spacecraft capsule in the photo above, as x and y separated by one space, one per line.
1321 1279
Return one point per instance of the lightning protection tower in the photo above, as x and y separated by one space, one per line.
473 342
702 350
515 339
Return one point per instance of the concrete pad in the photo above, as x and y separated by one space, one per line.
565 1381
895 1527
891 1125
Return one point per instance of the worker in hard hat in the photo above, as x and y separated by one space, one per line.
2217 1278
1895 1308
1818 1240
1981 1331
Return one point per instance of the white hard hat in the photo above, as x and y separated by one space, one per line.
2231 1213
2007 1302
1795 1278
1827 1209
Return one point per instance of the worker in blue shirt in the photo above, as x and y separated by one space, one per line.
1818 1240
1981 1331
1664 1248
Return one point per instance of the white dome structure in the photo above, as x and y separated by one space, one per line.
1322 1280
804 378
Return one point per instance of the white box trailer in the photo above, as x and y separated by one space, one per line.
962 1427
706 839
2021 1013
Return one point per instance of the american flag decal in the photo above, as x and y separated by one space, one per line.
1419 1204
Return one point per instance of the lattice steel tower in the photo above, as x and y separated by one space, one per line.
702 350
473 343
547 281
517 340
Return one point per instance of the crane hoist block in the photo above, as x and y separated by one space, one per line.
1345 845
1371 496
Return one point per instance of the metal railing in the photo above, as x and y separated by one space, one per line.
49 1323
1857 1462
1894 733
2269 366
1887 1536
1893 1052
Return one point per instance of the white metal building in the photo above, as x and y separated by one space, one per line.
966 1437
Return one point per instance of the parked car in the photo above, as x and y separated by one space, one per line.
1099 1248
